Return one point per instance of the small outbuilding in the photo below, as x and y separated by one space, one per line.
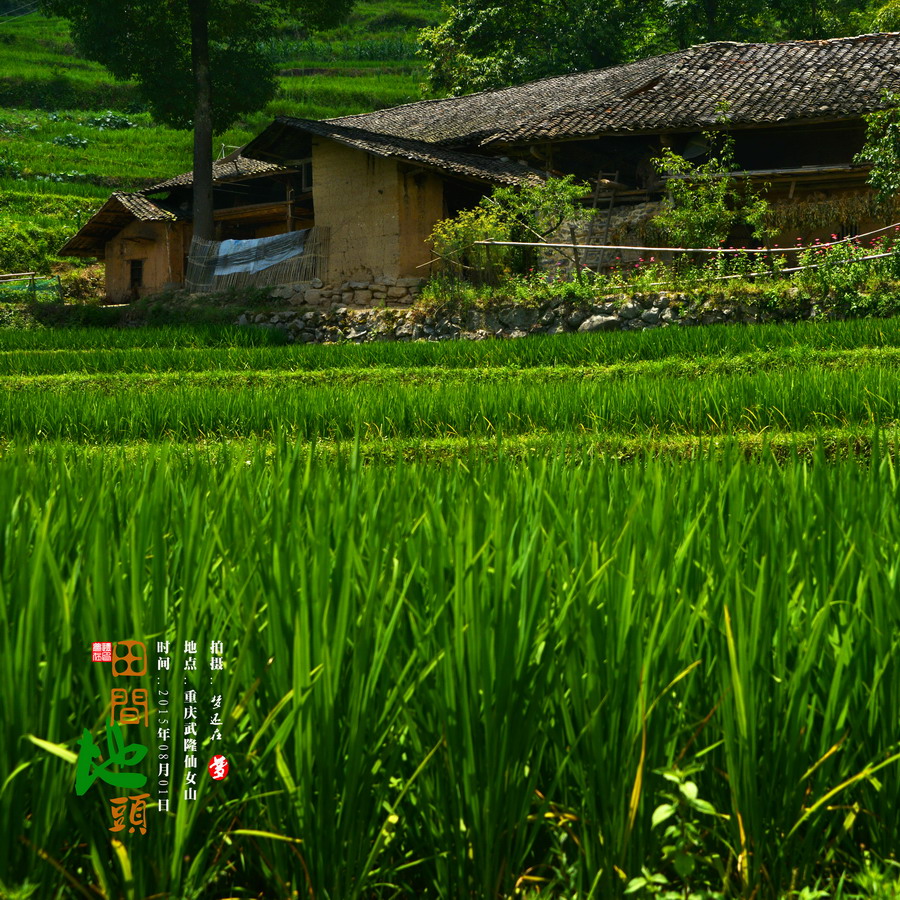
144 237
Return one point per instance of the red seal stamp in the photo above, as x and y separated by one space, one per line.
218 768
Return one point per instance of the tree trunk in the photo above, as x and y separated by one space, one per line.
203 193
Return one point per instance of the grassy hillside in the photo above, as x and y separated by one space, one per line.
70 133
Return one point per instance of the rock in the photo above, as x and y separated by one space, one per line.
311 298
474 320
650 316
259 319
317 283
409 282
361 296
347 297
396 292
599 323
630 311
358 285
576 317
517 333
243 320
518 317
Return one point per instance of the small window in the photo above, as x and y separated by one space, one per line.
137 273
306 176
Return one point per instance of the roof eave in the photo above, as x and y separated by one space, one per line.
502 142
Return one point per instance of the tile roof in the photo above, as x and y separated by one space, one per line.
234 167
467 165
143 209
120 210
760 83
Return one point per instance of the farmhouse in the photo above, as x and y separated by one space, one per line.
379 181
144 237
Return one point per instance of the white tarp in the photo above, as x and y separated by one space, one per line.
258 253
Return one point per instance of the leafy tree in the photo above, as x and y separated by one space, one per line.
807 19
484 44
198 63
885 18
526 213
882 149
704 204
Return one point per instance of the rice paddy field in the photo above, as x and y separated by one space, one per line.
574 617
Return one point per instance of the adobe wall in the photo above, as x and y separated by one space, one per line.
158 244
421 206
378 215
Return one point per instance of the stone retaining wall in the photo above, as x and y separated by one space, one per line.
383 292
652 310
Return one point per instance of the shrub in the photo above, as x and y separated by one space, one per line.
525 213
703 203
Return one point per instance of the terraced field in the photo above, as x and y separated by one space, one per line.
577 614
70 134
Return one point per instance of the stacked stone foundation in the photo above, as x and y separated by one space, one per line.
384 291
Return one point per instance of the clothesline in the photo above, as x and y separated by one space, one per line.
777 250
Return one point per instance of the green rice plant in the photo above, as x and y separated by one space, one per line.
454 681
798 343
135 408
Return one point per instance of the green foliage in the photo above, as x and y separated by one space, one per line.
70 140
886 17
693 869
525 213
9 167
109 121
29 248
882 149
483 44
157 51
703 203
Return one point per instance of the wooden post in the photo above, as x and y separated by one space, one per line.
575 254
